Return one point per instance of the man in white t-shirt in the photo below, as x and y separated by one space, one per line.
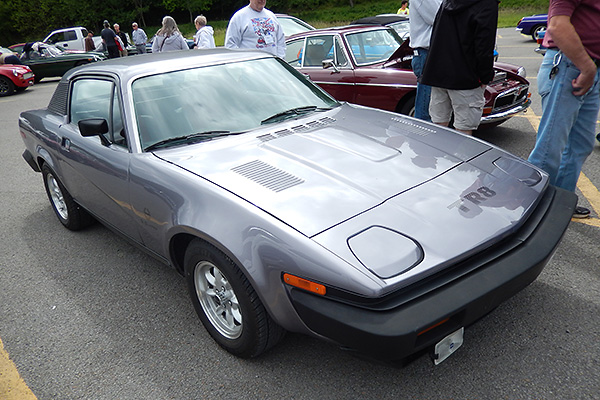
255 27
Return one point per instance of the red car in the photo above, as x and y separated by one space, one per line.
14 77
370 65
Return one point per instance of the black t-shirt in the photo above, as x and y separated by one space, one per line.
109 36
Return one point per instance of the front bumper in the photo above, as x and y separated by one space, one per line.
392 329
506 114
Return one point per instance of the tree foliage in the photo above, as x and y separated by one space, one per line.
191 6
28 20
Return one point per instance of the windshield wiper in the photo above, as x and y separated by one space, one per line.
292 112
208 135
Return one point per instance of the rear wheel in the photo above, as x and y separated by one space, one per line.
69 213
6 86
226 303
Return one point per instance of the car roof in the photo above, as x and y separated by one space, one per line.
127 68
339 29
537 16
382 19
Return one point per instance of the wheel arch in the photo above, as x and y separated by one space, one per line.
181 241
43 157
406 105
274 301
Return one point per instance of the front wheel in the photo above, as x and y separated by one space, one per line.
6 86
226 303
69 213
408 107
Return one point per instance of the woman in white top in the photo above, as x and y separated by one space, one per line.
168 38
204 38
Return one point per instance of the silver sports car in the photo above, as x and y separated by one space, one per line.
286 210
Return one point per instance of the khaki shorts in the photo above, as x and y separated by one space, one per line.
467 106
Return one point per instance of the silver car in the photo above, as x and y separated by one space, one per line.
286 210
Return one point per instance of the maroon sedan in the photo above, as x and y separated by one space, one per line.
371 66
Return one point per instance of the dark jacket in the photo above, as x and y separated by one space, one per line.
461 52
123 37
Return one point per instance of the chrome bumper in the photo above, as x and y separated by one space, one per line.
506 114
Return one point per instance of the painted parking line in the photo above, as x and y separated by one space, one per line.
587 188
12 386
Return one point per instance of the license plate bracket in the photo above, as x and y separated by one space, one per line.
448 345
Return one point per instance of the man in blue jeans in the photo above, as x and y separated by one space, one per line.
568 81
421 23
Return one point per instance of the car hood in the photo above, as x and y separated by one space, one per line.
317 172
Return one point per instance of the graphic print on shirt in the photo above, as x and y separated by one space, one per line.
264 28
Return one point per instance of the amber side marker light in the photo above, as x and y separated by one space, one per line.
304 284
433 326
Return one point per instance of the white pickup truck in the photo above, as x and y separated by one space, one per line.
71 38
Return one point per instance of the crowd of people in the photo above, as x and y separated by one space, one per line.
251 27
167 38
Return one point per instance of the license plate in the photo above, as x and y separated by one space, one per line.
28 75
448 345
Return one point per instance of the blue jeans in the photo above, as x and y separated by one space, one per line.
423 91
566 133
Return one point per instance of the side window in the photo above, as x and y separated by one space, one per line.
117 131
96 98
293 52
318 48
70 35
57 37
340 57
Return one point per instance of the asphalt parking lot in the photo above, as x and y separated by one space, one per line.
84 315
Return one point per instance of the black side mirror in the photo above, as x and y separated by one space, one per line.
94 127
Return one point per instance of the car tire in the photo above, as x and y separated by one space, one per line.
535 31
407 107
6 87
69 213
227 304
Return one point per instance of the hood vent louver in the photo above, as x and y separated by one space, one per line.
320 123
414 127
267 175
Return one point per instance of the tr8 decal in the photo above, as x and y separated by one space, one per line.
477 197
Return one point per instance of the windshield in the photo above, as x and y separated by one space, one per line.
228 99
402 28
291 26
49 50
373 46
